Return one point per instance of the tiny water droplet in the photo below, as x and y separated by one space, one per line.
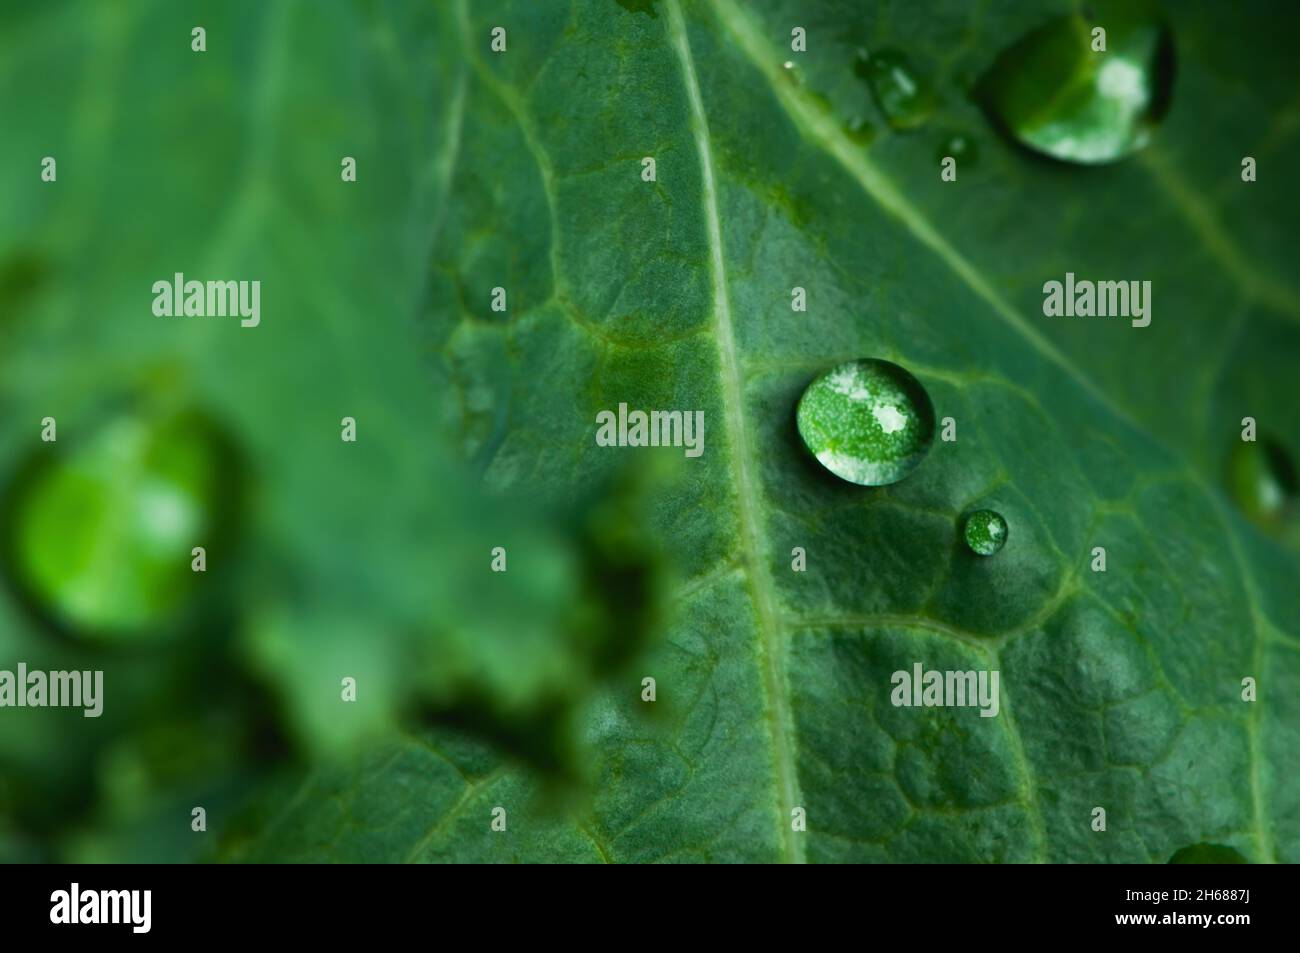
902 94
961 147
821 101
860 130
1262 480
1053 93
867 421
985 532
99 537
791 72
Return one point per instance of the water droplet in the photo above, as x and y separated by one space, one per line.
1208 854
1262 480
860 130
99 537
791 72
821 101
867 421
902 95
1053 93
959 146
985 532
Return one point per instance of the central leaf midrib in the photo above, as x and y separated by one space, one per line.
747 492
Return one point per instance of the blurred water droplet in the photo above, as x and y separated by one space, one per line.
98 534
961 147
860 130
985 532
1052 92
902 94
1262 480
867 421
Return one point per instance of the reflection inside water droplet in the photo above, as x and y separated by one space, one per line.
867 421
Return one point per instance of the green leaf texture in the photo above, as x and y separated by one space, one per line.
1119 689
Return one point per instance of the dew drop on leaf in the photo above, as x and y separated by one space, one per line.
1052 92
860 130
959 146
1262 480
867 421
905 98
985 532
98 537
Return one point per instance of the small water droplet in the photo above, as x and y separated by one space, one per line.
867 421
961 147
821 101
985 532
1208 854
792 73
1262 480
905 98
860 130
99 537
1054 94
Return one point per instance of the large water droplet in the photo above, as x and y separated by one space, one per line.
867 421
1054 93
98 537
985 532
905 98
1262 480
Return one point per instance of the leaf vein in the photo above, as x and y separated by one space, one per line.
747 491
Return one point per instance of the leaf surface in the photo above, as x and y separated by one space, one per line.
522 170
